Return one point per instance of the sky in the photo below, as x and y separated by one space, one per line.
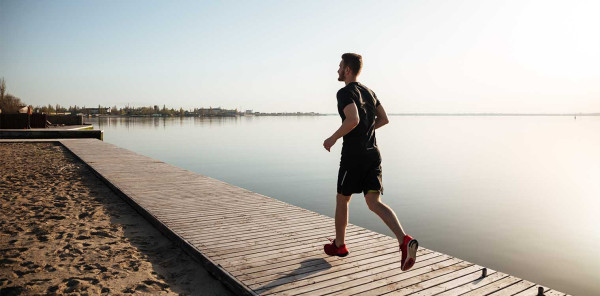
282 56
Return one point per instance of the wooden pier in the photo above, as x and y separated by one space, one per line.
258 245
68 131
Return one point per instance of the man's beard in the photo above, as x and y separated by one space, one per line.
341 77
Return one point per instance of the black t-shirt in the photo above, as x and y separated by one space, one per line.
362 138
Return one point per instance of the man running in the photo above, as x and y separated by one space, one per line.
360 166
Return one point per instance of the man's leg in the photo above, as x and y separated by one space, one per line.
408 245
385 213
341 218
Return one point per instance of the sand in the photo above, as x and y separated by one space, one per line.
63 231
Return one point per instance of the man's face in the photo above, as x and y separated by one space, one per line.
341 72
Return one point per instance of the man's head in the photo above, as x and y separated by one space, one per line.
350 66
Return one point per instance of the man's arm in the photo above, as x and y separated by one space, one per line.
381 118
351 121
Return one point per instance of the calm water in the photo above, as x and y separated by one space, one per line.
516 194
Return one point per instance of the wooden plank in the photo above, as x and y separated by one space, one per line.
197 212
349 269
201 210
288 255
180 204
514 289
285 238
222 203
455 285
248 224
554 293
533 291
397 279
268 236
197 216
475 284
436 280
348 273
311 237
316 251
493 287
272 272
280 250
330 264
208 232
293 243
252 232
357 252
241 217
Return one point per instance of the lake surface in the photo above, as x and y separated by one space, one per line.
516 194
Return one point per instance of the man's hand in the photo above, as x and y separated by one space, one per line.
381 118
328 143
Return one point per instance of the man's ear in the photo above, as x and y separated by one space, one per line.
347 70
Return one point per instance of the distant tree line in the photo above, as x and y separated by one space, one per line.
11 104
114 110
8 102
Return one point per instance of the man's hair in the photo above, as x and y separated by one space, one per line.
354 61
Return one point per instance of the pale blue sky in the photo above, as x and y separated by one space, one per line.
419 56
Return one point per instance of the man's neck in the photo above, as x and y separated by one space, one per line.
350 80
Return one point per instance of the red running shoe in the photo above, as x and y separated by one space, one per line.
333 250
409 252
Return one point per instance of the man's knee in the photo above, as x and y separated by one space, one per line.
343 198
372 205
372 200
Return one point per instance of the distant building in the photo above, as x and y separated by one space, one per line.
217 112
25 109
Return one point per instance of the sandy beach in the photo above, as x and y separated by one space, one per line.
62 231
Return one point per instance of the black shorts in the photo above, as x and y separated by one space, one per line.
360 173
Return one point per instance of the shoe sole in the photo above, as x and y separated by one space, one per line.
411 257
